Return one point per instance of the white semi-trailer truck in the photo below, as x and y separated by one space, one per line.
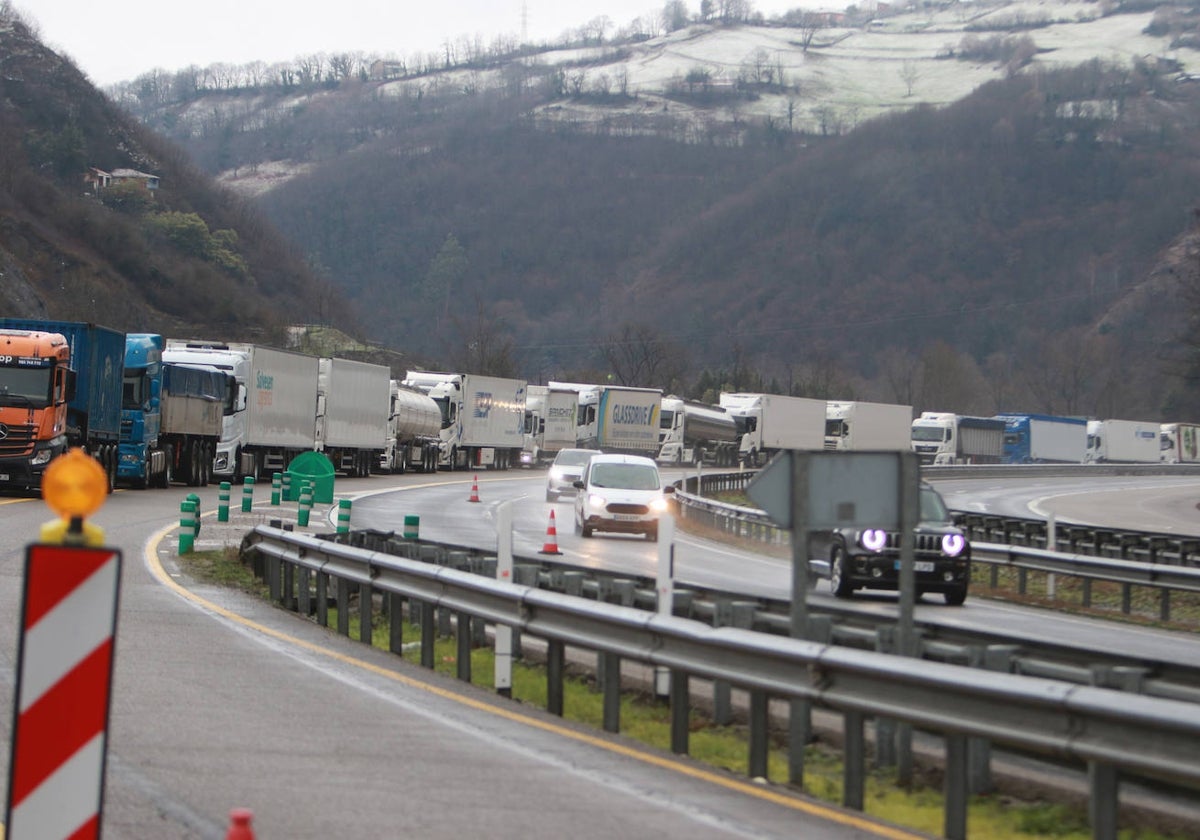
696 433
1122 442
770 422
274 413
483 417
352 414
943 438
550 423
414 423
863 426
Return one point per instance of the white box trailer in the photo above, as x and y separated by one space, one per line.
867 426
483 417
627 420
1123 442
771 422
353 399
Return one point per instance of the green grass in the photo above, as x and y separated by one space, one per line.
647 720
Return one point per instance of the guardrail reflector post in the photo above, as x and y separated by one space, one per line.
304 510
247 493
187 526
412 527
343 516
195 500
223 501
276 488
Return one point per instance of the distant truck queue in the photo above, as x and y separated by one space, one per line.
154 411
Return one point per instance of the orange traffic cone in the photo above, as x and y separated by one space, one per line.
239 824
474 490
551 544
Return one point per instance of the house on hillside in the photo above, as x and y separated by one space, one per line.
97 179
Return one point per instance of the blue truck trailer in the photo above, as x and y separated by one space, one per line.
53 397
171 416
1043 439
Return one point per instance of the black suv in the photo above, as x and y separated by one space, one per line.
869 558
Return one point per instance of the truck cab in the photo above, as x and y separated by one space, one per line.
36 384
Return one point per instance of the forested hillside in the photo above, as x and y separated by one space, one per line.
186 259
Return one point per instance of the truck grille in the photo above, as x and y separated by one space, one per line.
625 508
126 430
17 441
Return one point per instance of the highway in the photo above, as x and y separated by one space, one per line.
221 701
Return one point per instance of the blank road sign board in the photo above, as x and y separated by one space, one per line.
64 679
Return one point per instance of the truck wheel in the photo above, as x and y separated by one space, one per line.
839 583
168 473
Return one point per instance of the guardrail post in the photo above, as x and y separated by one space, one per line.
342 588
323 599
303 591
854 775
955 788
885 728
462 639
681 707
759 732
1164 604
1103 790
612 691
366 622
395 604
428 634
555 672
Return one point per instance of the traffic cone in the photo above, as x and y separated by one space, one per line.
551 544
474 490
239 824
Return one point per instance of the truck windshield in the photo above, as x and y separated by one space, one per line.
666 419
927 434
26 387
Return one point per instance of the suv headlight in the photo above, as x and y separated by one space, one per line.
953 544
873 539
659 505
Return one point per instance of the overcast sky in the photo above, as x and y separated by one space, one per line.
118 40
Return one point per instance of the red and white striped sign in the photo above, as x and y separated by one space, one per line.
64 677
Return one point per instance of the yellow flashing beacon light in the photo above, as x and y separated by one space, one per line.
74 486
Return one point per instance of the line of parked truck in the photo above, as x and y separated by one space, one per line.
155 411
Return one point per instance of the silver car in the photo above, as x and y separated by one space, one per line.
565 471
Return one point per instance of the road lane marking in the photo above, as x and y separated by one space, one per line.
747 788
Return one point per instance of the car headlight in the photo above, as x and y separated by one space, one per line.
659 505
873 539
597 501
556 473
953 544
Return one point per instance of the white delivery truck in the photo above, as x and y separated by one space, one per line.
696 433
275 410
942 439
867 426
414 423
770 422
1179 443
1122 442
616 418
550 423
483 417
352 414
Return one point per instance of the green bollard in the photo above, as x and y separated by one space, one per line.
276 486
223 502
287 487
195 500
412 525
247 493
187 526
305 507
343 516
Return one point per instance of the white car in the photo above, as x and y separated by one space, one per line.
566 470
622 493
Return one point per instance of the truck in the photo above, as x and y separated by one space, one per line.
60 387
768 423
274 411
1043 439
550 423
696 433
943 438
483 417
353 399
867 426
171 416
616 418
414 423
1122 442
1179 443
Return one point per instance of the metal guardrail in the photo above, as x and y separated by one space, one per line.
1111 733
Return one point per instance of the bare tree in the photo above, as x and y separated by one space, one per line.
637 355
482 342
909 73
674 15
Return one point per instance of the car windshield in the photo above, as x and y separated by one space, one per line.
625 476
573 457
933 509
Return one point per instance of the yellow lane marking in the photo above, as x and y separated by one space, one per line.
745 788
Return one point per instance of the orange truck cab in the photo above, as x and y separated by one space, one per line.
36 383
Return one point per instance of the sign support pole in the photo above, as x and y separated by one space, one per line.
799 711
